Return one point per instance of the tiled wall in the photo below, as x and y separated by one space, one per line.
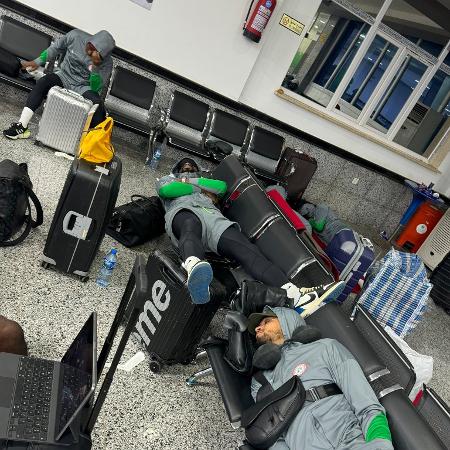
375 201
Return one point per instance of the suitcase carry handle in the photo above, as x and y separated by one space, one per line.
78 228
172 276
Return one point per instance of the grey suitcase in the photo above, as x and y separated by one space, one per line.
67 115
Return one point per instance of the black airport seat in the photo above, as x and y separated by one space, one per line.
130 99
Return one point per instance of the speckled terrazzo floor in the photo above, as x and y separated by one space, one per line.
143 410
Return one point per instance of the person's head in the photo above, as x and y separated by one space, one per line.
186 165
100 46
274 325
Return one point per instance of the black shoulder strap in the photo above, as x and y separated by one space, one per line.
30 223
265 389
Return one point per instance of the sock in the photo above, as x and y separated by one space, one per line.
26 116
292 291
190 262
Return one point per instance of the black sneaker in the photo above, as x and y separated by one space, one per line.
17 131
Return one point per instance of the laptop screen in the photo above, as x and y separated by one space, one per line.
79 368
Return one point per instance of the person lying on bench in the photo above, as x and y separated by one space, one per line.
12 339
85 69
196 225
347 414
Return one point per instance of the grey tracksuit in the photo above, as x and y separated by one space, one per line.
336 422
76 68
213 221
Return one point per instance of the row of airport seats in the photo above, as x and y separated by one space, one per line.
188 123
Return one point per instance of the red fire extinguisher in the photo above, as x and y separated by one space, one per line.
254 26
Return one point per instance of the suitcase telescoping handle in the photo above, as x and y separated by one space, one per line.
77 225
171 270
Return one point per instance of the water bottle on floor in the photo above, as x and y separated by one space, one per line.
109 262
156 157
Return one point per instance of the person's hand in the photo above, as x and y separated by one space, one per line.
213 197
29 65
96 58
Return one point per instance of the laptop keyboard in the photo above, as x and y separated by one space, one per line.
30 412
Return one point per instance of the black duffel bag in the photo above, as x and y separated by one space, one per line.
138 221
9 64
16 190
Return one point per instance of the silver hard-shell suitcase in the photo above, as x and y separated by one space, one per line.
67 115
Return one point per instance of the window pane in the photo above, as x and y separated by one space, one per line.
367 76
429 118
397 94
415 26
326 52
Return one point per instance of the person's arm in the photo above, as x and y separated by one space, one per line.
216 187
349 376
58 46
100 75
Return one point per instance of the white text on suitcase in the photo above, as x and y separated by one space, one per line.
152 309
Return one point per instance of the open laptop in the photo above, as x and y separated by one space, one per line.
39 398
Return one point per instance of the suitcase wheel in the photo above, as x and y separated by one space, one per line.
83 278
37 143
155 366
45 265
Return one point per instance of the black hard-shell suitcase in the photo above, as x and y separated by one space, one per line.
170 326
440 279
82 215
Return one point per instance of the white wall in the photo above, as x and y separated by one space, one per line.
267 76
199 39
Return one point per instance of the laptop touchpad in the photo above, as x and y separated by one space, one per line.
7 386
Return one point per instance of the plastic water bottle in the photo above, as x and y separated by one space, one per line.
156 157
109 262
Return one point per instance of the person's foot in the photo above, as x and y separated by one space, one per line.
313 297
200 275
325 292
17 131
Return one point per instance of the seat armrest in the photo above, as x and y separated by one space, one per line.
409 430
234 387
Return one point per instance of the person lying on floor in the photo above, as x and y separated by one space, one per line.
195 225
12 338
85 69
349 417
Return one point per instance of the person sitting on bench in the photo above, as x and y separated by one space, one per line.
85 69
196 225
347 414
12 339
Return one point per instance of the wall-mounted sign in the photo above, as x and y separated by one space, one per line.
147 4
291 24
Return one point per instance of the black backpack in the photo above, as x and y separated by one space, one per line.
16 190
138 221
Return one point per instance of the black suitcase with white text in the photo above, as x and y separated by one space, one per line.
82 215
170 327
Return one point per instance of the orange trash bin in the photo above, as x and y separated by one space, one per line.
419 226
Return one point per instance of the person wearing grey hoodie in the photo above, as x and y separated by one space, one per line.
351 420
85 69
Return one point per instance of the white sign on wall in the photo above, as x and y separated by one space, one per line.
144 3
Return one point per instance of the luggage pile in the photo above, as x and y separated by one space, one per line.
397 294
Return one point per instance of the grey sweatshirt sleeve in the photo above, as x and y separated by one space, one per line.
349 376
58 46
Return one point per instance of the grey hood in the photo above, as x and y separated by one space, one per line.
289 320
176 167
103 42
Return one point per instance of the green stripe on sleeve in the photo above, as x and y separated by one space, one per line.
378 429
95 81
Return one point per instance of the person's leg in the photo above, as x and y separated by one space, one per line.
187 228
100 114
35 98
12 338
235 245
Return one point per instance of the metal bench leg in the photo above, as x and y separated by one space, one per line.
193 380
